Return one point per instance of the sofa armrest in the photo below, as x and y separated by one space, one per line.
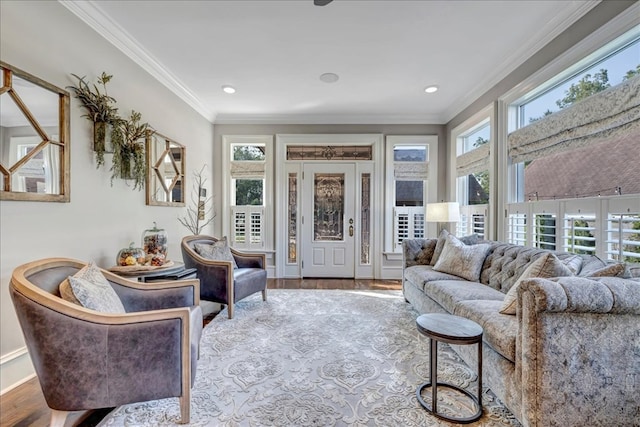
577 355
584 295
417 251
249 260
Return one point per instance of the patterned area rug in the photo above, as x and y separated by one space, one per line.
317 358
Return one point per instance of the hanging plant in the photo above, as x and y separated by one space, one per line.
100 108
129 161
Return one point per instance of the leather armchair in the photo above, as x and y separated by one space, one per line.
85 359
219 281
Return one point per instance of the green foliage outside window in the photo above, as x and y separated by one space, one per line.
249 192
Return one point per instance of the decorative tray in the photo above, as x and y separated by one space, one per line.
134 268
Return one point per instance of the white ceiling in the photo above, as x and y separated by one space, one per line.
385 52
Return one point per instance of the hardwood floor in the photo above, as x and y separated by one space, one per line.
25 406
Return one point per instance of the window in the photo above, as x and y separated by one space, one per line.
248 178
572 150
409 171
472 173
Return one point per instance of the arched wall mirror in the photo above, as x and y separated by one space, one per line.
165 171
34 138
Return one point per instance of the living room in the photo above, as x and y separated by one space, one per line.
50 41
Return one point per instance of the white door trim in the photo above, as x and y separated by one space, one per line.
284 167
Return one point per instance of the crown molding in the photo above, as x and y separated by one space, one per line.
544 36
92 15
328 119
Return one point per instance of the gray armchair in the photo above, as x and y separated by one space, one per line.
85 359
219 281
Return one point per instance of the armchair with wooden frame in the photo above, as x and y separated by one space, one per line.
85 359
219 281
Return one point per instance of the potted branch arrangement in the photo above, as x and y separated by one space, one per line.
196 218
100 110
129 161
127 135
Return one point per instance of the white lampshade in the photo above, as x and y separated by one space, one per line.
443 212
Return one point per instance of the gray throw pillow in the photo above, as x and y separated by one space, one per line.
462 260
93 290
218 251
546 266
472 239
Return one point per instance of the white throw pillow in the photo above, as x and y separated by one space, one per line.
218 251
462 260
93 290
548 265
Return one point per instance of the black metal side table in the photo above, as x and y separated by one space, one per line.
452 330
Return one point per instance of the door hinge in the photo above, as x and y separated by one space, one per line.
301 264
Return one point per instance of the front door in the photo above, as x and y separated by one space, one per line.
328 220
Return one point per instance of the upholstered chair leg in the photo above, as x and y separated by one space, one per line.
230 310
58 418
185 408
264 295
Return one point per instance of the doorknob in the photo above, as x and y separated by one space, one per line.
350 227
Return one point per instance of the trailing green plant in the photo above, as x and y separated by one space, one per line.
129 161
100 108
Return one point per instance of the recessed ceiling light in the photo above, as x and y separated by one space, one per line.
431 89
229 89
329 77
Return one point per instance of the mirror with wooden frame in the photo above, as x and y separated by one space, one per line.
165 170
34 138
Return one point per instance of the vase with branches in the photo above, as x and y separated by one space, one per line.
129 160
196 217
100 108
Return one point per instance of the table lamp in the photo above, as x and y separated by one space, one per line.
442 213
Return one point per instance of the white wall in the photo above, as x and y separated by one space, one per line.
46 40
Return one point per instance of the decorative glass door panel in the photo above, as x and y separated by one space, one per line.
328 218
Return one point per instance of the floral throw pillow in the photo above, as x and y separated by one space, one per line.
218 251
93 290
546 266
462 260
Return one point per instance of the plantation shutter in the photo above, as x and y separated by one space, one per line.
612 113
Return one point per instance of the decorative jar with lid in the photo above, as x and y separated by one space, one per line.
154 244
130 256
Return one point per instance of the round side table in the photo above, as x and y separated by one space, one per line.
452 330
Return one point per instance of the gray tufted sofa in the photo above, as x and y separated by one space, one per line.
571 354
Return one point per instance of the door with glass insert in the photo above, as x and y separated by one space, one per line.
328 222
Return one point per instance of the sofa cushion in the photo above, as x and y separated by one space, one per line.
544 267
218 251
573 261
448 293
590 264
462 260
421 274
500 330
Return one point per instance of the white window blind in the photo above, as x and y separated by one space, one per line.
409 224
473 220
544 232
623 237
247 227
517 228
579 233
